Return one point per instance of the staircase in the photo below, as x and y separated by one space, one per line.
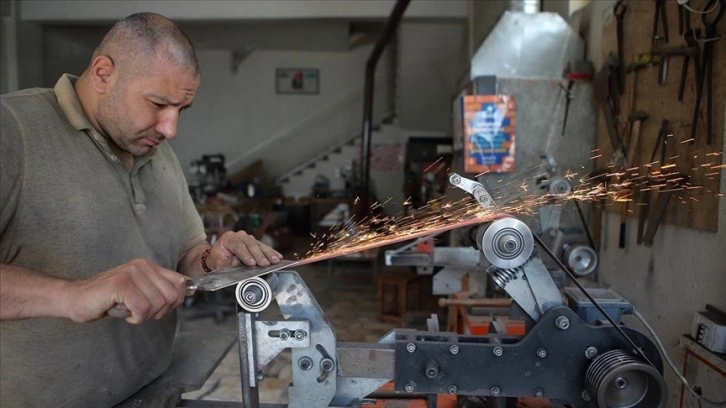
334 163
327 136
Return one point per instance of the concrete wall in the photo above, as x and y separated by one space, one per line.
21 57
430 60
233 112
679 274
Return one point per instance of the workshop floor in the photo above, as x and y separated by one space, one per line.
348 300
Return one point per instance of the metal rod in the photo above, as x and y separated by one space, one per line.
390 28
489 302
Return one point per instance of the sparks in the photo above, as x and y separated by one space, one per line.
448 213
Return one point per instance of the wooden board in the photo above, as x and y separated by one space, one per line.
698 209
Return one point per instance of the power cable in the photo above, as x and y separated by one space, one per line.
672 365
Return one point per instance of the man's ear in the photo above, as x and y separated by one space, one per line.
103 71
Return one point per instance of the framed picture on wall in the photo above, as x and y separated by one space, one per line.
297 81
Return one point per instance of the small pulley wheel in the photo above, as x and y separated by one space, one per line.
581 259
507 243
253 294
617 379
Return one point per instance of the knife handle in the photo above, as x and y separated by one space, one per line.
120 311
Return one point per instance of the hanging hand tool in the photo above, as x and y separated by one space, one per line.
691 36
661 204
660 14
619 12
712 36
605 99
636 120
667 53
684 21
661 144
634 68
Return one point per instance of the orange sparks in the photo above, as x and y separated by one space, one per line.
432 164
447 213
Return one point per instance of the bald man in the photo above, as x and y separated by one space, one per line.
95 212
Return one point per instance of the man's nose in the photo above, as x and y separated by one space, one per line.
167 123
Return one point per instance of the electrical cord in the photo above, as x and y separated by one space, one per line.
692 10
672 365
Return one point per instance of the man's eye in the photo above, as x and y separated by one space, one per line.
158 105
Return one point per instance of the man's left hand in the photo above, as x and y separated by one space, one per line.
234 248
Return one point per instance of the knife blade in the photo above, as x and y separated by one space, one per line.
216 280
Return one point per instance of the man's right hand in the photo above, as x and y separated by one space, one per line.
146 289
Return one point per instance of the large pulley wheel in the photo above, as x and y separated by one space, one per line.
253 294
507 243
617 379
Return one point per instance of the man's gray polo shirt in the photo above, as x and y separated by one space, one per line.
70 209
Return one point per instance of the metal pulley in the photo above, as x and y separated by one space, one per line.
254 294
617 379
506 243
580 258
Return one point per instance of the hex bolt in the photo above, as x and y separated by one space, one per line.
453 389
305 363
562 322
498 351
541 353
591 352
538 392
454 349
432 369
299 334
327 365
410 347
495 391
410 387
284 334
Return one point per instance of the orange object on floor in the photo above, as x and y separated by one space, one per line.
442 400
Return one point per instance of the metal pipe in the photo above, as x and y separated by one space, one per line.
390 28
526 6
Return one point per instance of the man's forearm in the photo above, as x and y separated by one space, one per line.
190 262
25 293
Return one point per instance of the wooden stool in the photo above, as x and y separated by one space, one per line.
399 280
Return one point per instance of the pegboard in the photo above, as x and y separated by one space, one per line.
696 208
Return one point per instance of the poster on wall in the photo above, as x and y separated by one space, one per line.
489 133
297 81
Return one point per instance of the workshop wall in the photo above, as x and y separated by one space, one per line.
233 112
431 57
21 51
684 269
